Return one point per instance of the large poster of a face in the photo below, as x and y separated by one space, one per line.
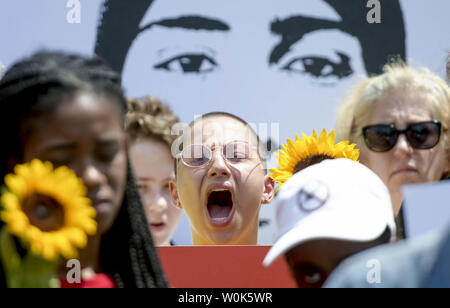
282 65
266 61
287 62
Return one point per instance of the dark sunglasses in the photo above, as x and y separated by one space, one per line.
422 135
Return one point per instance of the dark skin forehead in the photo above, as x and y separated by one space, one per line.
82 126
326 254
80 117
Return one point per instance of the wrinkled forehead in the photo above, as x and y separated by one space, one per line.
219 130
410 102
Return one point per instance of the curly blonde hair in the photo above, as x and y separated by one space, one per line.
357 107
448 67
150 118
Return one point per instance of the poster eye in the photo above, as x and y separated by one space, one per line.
189 63
320 67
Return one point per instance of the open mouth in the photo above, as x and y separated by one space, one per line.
220 207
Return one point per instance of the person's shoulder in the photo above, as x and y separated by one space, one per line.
405 264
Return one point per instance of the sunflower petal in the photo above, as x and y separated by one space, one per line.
293 153
66 189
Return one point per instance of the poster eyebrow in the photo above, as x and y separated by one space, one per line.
292 29
190 22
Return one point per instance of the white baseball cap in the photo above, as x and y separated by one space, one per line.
335 199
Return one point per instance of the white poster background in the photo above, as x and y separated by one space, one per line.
426 208
242 82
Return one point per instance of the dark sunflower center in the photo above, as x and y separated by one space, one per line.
311 160
44 212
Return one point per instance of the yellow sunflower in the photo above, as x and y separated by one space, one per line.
48 209
300 154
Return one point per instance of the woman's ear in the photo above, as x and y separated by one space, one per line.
174 194
445 175
269 190
446 171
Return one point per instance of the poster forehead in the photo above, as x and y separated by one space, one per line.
247 9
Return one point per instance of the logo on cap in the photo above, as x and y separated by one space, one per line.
313 196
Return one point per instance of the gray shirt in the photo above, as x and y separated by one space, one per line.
415 263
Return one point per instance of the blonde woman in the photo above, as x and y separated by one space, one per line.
399 120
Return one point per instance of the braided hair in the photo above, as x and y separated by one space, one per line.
35 86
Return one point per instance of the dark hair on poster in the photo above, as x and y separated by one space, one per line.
119 26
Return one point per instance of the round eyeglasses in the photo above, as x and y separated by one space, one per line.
197 155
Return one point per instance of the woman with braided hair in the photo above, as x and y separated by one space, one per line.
70 110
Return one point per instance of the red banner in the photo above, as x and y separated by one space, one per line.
223 267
